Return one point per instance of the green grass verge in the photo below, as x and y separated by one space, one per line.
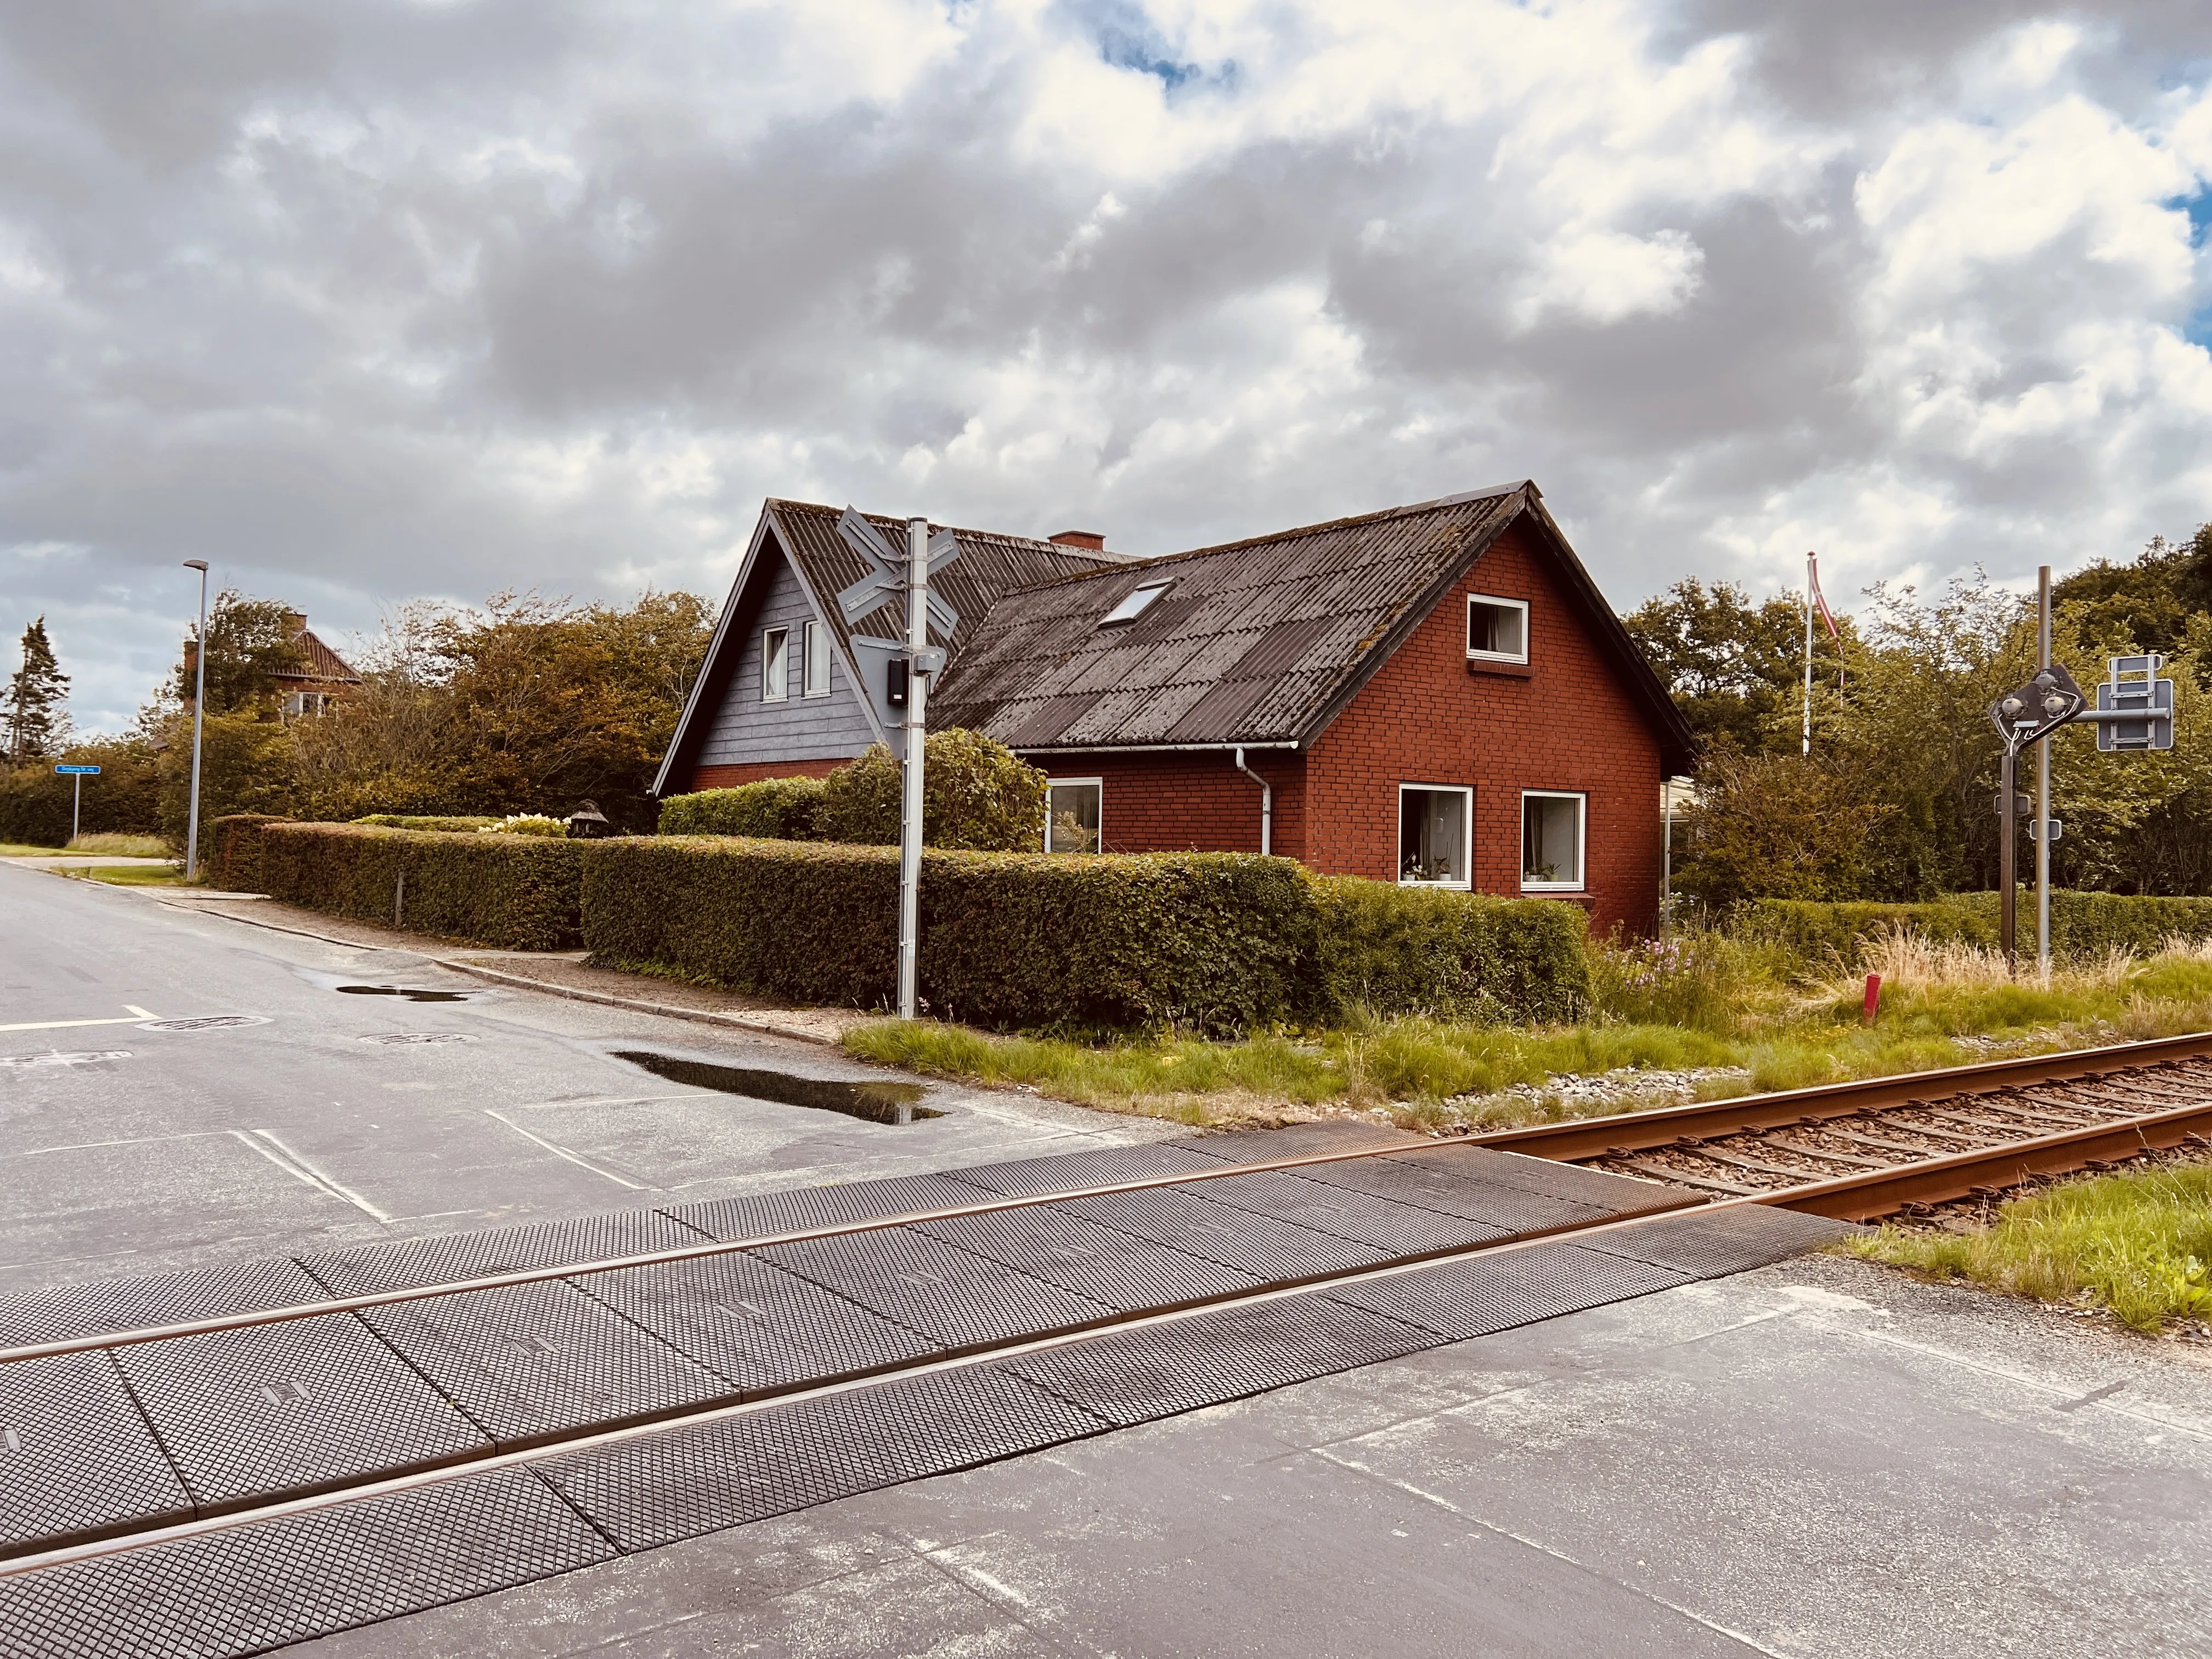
2139 1243
16 849
130 875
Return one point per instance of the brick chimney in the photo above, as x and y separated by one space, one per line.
296 624
1089 540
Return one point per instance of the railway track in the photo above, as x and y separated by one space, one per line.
1862 1151
1046 1299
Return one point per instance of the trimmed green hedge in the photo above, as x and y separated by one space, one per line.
2082 924
232 857
1212 942
1395 950
401 820
774 809
515 892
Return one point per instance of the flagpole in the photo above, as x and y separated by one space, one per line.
1808 656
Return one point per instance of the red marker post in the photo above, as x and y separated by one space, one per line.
1873 997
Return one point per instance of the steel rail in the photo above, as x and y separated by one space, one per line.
367 1299
590 1439
1630 1131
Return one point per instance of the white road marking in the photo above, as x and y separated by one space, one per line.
325 1181
131 1018
576 1158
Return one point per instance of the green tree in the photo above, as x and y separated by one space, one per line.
977 794
1782 826
38 698
1735 667
249 643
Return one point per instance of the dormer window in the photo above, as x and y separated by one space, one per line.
1139 601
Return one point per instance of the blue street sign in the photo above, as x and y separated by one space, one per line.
80 771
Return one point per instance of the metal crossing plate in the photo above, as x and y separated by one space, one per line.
1136 1377
289 1408
1508 1209
756 1324
1623 1194
529 1361
77 1460
947 1294
1260 1245
448 1256
1708 1244
272 1583
1461 1299
1298 1140
1091 1260
754 1215
1098 1167
696 1480
1399 1229
100 1305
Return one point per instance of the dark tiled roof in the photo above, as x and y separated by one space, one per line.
1257 641
989 566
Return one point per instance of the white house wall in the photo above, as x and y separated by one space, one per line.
745 729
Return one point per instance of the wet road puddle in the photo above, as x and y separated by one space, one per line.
877 1103
411 994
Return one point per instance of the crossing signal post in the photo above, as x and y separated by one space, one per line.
896 675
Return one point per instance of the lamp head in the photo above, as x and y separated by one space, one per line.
199 565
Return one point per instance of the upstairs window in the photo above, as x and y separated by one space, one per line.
816 680
1139 601
1496 629
775 664
1072 814
1552 840
1433 824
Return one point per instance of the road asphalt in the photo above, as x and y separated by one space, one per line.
1816 1459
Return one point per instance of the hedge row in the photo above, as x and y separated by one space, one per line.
515 892
401 820
1212 942
1209 942
774 809
2082 924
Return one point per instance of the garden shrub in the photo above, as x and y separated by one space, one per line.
34 800
774 809
1452 956
977 796
514 892
2082 924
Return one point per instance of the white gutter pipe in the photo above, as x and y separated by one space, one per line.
1266 806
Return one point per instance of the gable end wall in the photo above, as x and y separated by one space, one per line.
1571 723
748 739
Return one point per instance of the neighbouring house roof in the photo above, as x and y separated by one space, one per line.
1261 641
318 663
989 565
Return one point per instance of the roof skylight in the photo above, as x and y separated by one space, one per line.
1139 601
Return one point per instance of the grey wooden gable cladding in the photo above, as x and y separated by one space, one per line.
745 729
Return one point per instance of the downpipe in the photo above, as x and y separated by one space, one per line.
1266 806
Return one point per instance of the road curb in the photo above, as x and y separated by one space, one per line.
638 1005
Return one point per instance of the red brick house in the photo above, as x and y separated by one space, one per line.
1437 693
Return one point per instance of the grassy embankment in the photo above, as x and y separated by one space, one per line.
1705 1003
2138 1242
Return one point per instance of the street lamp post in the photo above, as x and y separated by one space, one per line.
199 715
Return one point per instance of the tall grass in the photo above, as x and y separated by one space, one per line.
121 846
2139 1243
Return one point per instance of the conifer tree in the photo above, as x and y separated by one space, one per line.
37 696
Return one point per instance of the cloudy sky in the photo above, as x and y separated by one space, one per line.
367 299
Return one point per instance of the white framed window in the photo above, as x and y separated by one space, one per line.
1073 815
815 677
1138 601
775 664
1496 629
1552 825
1435 823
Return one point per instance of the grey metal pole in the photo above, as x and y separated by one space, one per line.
917 698
2007 825
2043 783
199 719
76 804
1809 654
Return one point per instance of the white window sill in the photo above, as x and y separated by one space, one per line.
1450 886
1497 656
1554 887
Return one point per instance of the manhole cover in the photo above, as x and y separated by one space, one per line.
64 1060
204 1022
396 1037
